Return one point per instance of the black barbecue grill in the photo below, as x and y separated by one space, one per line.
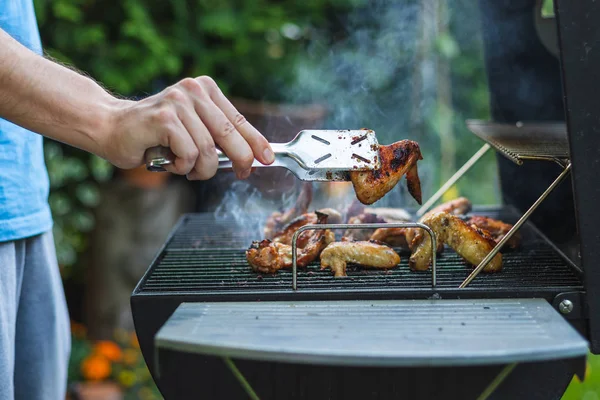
210 327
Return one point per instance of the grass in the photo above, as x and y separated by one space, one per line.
589 389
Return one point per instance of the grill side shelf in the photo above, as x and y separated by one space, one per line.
524 141
398 333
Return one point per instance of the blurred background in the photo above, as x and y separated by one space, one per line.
407 69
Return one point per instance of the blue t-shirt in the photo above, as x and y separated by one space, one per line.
24 186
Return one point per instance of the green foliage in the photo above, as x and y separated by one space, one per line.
589 389
74 180
133 46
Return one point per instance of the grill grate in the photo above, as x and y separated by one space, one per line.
205 255
541 141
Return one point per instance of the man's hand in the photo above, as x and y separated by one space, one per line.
190 118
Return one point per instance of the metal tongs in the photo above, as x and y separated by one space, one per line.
313 155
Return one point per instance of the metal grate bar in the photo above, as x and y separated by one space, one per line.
190 264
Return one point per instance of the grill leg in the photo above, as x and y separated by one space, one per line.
185 376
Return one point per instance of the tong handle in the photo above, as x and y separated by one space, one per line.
159 156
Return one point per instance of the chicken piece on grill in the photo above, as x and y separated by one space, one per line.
397 159
286 234
361 234
268 257
364 253
471 244
278 220
458 206
497 229
395 237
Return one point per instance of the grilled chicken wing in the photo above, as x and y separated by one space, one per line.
286 234
458 206
470 244
278 220
395 237
497 229
368 254
268 257
397 159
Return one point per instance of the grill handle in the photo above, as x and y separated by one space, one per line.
363 226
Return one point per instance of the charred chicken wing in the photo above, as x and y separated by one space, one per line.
286 234
497 229
367 254
397 159
471 244
268 257
459 206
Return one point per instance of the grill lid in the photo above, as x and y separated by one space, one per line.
375 333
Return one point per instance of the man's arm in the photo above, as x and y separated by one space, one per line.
190 117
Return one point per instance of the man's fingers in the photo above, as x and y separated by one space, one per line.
182 146
207 162
222 130
260 146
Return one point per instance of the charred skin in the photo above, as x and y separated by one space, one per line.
278 220
497 230
364 253
397 159
267 256
471 244
286 234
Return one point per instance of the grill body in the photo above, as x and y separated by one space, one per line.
204 261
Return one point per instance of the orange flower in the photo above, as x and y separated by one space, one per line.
108 349
95 368
134 341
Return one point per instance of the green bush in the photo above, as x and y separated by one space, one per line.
137 46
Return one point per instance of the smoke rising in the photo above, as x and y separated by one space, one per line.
382 69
